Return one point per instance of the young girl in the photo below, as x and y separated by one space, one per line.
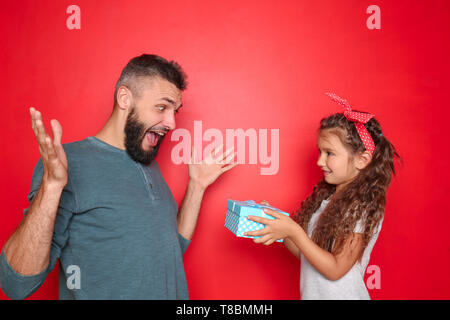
336 227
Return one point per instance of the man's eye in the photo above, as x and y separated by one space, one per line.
161 108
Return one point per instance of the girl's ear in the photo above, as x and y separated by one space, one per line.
363 159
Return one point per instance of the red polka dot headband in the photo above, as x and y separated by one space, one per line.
358 118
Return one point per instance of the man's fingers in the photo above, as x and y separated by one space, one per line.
229 158
45 143
39 124
193 156
226 157
211 158
50 150
33 126
228 167
57 132
216 150
228 152
57 136
40 136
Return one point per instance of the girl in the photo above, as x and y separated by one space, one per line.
336 227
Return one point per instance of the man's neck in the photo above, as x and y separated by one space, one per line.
113 132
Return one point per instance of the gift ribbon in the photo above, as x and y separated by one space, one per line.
359 119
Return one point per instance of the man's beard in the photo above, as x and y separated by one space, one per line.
134 135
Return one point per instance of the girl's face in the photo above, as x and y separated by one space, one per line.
335 160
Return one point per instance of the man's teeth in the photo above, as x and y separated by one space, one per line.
160 133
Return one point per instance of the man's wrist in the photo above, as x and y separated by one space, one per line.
51 189
196 186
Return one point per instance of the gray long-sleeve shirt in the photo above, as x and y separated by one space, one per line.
115 233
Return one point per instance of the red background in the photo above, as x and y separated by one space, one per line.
251 64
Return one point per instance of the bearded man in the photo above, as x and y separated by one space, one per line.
101 205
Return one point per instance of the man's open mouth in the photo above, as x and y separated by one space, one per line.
153 136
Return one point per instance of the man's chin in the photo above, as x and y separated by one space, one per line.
142 156
142 152
146 154
145 158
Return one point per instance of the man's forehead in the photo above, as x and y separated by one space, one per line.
157 88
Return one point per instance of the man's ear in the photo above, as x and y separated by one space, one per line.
124 98
363 159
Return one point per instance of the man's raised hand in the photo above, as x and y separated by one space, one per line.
205 172
52 152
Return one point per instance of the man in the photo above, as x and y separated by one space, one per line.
101 205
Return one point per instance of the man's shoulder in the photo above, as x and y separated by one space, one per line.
92 157
78 147
86 150
74 152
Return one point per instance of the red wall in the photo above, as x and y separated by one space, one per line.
251 64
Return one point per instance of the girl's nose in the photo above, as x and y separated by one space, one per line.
321 161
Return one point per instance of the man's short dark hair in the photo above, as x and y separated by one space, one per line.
149 65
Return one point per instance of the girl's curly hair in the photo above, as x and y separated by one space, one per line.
363 199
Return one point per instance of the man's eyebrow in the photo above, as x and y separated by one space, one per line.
171 102
168 100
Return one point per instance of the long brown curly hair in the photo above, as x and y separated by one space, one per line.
364 198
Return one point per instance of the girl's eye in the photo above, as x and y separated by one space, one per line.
329 153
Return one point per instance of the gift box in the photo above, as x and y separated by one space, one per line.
236 219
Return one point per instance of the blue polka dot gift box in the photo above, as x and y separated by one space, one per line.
236 219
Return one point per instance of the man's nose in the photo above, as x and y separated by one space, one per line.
169 121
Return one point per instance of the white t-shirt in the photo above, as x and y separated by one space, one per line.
314 286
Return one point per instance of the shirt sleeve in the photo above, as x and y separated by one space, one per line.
18 286
184 243
359 228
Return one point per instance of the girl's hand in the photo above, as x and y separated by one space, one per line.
279 228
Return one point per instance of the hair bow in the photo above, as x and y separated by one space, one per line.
359 119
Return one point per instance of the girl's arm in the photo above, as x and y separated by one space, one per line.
292 247
331 266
